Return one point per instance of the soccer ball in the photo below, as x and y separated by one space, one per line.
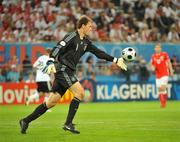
128 54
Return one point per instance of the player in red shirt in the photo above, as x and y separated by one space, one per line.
160 63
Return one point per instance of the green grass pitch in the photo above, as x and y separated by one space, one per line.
98 122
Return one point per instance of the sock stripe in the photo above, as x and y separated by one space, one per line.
45 105
76 99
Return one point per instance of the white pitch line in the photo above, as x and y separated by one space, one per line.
89 122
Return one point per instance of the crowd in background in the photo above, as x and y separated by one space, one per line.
137 71
37 21
114 20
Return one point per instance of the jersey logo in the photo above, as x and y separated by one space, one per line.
40 64
63 43
161 58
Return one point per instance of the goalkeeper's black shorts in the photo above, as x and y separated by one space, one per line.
65 77
44 86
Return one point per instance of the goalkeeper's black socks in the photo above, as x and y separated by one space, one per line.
72 110
41 109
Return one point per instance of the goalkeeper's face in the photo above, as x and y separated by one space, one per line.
87 28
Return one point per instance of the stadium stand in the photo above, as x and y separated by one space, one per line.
38 21
123 21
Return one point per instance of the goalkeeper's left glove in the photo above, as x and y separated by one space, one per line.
50 67
120 63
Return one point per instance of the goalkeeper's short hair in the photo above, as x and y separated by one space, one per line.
83 20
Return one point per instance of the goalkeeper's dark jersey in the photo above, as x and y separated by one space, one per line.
69 50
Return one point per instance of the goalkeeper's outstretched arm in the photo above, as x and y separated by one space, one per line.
102 55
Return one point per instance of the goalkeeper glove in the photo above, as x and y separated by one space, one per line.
49 68
120 63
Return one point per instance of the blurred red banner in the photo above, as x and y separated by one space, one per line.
16 93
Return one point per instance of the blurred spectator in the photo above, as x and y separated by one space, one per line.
139 9
163 22
174 60
80 75
154 36
126 5
39 21
48 34
13 61
126 74
103 34
116 33
89 66
150 13
27 66
102 68
167 9
173 35
60 32
145 33
143 71
114 69
14 74
2 77
30 78
20 24
175 64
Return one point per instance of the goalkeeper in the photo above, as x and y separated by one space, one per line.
67 54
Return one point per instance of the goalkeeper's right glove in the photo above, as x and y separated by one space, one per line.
49 68
120 63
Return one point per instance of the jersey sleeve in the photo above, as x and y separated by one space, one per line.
98 53
38 64
152 60
61 45
166 56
